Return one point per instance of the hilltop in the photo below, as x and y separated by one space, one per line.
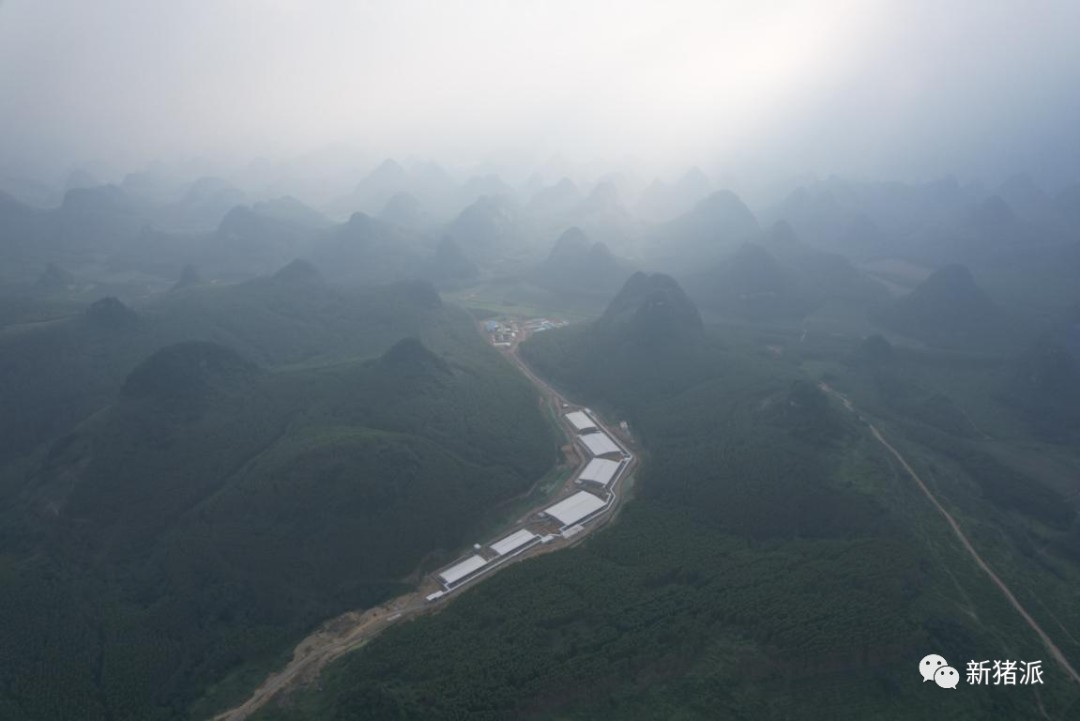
717 224
947 307
651 310
579 266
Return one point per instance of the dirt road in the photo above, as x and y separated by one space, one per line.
1055 652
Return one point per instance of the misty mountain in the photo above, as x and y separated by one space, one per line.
450 265
779 277
111 314
155 184
486 230
713 227
57 374
253 240
372 193
106 225
189 278
428 182
404 210
578 266
555 200
185 372
651 310
479 186
603 216
648 343
936 223
948 307
988 232
299 274
751 283
410 356
867 218
661 201
824 276
24 232
202 207
288 209
367 251
100 220
603 198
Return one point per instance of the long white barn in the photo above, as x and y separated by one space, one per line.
463 570
514 541
576 508
600 470
580 421
599 444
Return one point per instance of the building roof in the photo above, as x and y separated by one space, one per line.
578 506
600 470
599 444
461 570
581 421
513 542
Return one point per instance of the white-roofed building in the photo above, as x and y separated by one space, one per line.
580 421
599 444
461 571
576 508
600 470
514 541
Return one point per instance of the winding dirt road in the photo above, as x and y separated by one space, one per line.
1055 652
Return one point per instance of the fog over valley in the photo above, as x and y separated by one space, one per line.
565 360
889 90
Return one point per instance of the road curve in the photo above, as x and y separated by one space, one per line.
1055 652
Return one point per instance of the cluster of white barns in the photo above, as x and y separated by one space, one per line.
476 564
607 459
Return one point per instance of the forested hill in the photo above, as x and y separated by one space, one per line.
192 515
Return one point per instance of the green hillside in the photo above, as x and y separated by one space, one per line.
190 518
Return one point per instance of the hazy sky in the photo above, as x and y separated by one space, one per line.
885 88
